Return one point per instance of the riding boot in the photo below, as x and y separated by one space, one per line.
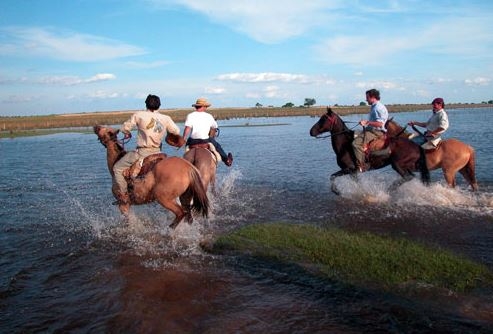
122 198
229 160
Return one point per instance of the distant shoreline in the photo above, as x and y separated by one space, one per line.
18 126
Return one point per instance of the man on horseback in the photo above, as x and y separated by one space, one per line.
373 128
152 127
436 125
198 126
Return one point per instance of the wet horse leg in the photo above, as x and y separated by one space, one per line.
170 204
449 176
186 202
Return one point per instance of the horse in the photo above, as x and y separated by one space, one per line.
206 163
451 155
402 154
162 179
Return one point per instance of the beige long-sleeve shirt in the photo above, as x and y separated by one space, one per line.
151 126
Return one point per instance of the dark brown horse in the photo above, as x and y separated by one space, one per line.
167 179
206 163
451 156
402 154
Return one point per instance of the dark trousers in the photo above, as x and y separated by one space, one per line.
211 140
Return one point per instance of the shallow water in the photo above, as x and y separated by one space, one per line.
69 264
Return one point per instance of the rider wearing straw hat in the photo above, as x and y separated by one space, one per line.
198 126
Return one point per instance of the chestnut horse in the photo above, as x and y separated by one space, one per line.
402 154
166 180
451 155
206 163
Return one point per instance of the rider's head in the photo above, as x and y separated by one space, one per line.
372 96
438 102
153 102
201 103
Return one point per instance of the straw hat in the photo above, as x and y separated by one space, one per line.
201 102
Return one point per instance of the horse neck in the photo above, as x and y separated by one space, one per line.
113 153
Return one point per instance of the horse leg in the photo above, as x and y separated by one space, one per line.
449 177
124 209
171 205
186 200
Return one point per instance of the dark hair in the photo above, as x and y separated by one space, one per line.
153 102
373 93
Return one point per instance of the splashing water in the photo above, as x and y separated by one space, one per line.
375 187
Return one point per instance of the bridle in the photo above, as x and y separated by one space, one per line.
332 122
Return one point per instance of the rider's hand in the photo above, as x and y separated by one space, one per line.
127 135
411 123
429 134
364 122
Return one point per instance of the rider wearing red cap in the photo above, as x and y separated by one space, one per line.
435 126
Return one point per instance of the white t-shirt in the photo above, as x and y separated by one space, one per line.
200 122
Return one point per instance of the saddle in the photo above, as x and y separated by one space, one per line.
142 166
378 146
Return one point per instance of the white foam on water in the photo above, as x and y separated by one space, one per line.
378 187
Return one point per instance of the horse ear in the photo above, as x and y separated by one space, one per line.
329 110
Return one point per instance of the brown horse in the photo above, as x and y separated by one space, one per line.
167 179
402 154
206 163
451 155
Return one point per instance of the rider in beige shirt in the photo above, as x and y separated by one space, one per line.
152 128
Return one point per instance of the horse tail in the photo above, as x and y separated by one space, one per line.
423 168
200 202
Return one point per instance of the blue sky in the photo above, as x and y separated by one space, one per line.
67 56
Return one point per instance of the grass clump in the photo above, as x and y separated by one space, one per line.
357 258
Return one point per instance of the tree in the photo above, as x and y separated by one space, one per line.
288 105
309 102
362 103
258 105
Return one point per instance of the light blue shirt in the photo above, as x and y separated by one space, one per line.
378 113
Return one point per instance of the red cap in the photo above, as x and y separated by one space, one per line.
438 100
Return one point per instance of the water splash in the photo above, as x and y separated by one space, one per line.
378 187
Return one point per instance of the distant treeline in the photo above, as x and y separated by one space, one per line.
13 124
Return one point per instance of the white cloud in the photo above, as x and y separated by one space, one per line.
68 46
215 90
266 21
100 94
264 77
479 81
147 65
74 80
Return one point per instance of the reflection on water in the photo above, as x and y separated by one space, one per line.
69 263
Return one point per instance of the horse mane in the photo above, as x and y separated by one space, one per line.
330 112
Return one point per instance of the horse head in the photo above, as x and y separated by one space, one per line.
106 135
328 122
395 130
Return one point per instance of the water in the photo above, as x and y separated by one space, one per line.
68 264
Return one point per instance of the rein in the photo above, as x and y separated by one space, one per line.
337 133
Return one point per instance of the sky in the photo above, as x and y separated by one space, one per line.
70 56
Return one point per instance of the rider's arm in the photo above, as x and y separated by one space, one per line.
375 124
421 124
186 132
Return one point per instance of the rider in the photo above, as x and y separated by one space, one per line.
436 125
152 126
198 125
373 128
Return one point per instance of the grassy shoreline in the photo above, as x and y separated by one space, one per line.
360 259
18 126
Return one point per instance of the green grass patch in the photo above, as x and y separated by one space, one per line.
357 258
